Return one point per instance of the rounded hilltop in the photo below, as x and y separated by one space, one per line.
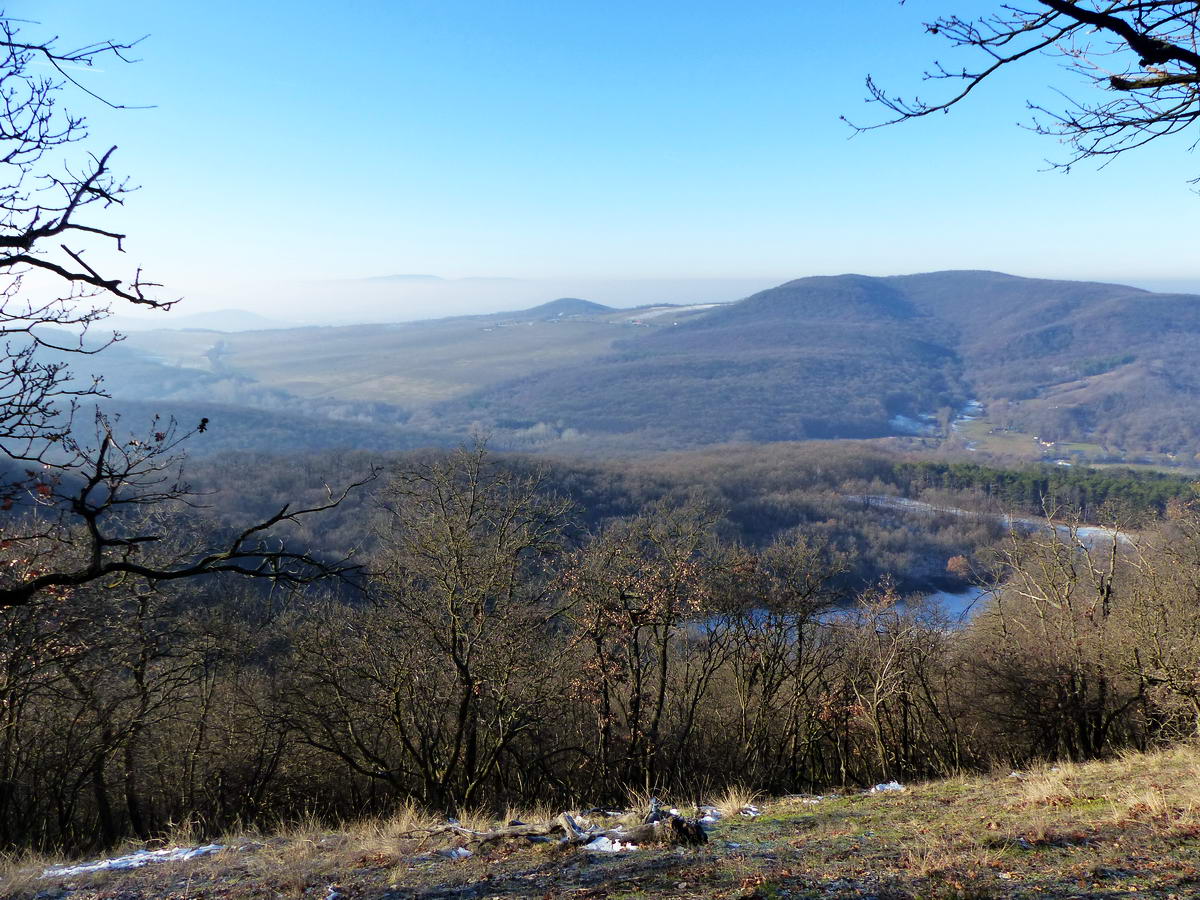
568 306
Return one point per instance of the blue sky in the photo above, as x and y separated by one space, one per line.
293 148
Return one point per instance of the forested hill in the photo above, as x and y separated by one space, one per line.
566 306
817 358
1073 360
824 357
853 356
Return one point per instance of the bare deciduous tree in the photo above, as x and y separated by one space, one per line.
71 493
1143 56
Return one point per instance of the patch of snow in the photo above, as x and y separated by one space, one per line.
603 844
654 313
456 853
751 812
332 893
890 787
131 861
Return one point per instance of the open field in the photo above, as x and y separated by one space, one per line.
1128 827
985 437
404 365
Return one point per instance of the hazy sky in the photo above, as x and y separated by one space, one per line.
296 147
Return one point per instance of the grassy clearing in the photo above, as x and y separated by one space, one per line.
1128 827
1022 447
410 365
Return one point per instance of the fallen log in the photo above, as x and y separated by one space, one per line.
545 829
669 829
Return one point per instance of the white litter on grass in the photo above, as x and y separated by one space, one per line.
890 787
456 853
604 844
132 860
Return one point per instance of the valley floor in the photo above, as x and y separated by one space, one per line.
1127 827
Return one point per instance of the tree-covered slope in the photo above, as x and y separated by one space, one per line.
817 357
848 356
1074 360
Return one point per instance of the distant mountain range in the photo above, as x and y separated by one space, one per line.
418 279
1110 367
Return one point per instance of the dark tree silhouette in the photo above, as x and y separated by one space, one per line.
75 498
1143 57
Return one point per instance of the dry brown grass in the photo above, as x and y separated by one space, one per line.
1148 803
1137 816
930 859
1052 786
530 814
735 799
20 872
637 801
390 836
1168 799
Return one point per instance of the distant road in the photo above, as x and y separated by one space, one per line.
1086 534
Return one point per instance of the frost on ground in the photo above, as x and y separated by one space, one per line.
889 787
132 860
710 815
604 845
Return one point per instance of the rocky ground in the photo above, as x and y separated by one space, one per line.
1128 827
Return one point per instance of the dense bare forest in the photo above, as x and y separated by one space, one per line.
499 644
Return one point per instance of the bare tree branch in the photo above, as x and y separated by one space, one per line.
1144 55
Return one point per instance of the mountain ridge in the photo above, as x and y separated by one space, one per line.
843 356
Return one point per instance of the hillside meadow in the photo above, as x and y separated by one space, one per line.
1124 827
